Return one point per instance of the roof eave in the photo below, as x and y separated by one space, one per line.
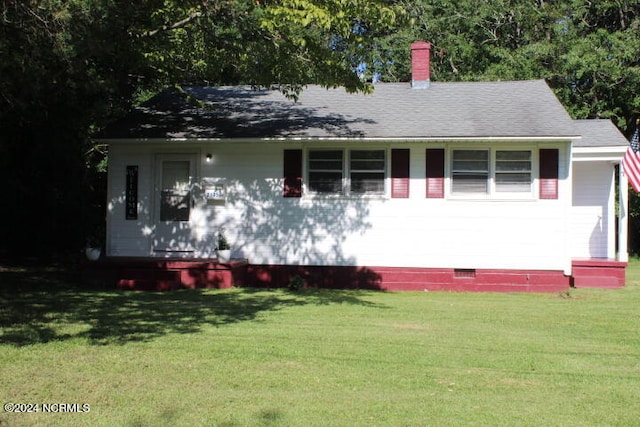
556 138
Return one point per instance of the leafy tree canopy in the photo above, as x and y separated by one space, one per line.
588 51
70 66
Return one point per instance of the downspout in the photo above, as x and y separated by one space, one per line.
568 195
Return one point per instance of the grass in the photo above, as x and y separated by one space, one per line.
247 357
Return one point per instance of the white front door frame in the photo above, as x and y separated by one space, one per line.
173 234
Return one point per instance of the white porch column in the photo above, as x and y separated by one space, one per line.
623 217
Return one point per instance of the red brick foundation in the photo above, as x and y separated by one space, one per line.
161 275
409 279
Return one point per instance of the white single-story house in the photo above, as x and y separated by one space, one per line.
421 186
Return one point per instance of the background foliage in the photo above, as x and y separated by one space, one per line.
70 66
589 52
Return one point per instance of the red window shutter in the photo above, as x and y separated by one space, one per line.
435 173
292 173
549 162
400 173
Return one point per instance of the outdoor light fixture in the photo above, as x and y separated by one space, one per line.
209 157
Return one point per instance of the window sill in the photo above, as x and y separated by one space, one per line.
319 196
492 198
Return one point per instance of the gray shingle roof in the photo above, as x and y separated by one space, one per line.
599 133
394 110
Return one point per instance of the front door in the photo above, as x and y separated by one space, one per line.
174 202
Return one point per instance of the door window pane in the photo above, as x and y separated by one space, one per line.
175 197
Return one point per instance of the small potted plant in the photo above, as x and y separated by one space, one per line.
95 243
223 248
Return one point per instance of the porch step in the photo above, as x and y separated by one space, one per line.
148 279
166 274
598 273
147 285
608 282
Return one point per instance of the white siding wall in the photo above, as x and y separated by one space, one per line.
128 237
593 211
267 228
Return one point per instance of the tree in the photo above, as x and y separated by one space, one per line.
599 74
70 66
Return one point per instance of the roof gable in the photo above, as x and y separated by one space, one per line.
445 110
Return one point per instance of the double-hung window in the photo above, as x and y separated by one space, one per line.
326 171
347 171
367 171
513 171
484 171
470 171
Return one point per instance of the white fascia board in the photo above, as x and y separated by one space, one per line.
154 140
592 154
433 138
563 138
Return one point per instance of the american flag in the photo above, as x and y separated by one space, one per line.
631 160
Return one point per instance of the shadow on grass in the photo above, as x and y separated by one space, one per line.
40 305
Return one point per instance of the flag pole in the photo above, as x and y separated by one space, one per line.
623 217
631 159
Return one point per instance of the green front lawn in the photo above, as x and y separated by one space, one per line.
318 358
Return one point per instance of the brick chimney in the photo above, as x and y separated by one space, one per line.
420 64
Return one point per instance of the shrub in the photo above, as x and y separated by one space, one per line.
296 282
